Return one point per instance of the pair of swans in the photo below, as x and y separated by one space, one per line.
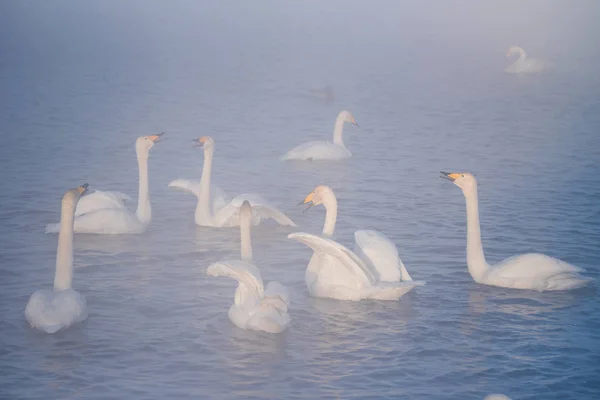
320 150
527 271
104 212
523 64
213 208
372 271
255 307
52 310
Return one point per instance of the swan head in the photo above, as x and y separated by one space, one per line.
464 180
246 211
206 142
514 49
145 143
347 117
71 196
319 195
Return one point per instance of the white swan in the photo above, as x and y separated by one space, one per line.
527 271
52 310
372 271
214 209
254 308
523 64
119 220
324 150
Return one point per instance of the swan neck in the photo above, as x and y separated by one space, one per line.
144 211
338 130
331 207
245 238
63 277
203 214
475 257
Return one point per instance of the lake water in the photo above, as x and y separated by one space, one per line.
79 82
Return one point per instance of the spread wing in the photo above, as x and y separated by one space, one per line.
345 257
230 214
250 290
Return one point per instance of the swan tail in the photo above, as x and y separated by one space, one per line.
567 281
392 291
186 186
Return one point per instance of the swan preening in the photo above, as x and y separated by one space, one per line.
254 307
523 64
527 271
372 271
106 213
52 310
213 209
320 150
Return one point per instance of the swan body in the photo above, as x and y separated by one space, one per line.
527 271
373 271
53 310
255 307
214 208
320 150
523 64
100 199
106 213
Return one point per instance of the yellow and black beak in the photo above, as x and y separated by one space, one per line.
83 189
308 200
451 176
156 138
200 141
355 123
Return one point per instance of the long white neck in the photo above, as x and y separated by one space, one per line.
63 277
330 204
203 214
245 222
475 257
338 130
144 211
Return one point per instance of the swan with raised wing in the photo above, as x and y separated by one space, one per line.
119 220
523 64
373 271
321 150
254 307
52 310
527 271
213 208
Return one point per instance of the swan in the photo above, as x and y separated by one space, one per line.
255 307
523 64
52 310
320 150
217 211
527 271
119 220
372 271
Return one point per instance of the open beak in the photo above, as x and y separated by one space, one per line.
451 176
156 138
307 200
355 123
83 189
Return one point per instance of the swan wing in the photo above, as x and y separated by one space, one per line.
109 221
277 295
230 214
52 311
344 256
536 271
192 187
100 199
375 249
247 275
318 150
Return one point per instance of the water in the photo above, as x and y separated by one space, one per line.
79 83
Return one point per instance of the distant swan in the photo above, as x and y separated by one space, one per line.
254 308
52 310
372 271
527 271
119 220
523 64
319 150
217 211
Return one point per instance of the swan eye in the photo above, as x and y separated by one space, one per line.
462 175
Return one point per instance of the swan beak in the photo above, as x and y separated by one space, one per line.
308 200
451 176
199 142
355 123
83 189
156 138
